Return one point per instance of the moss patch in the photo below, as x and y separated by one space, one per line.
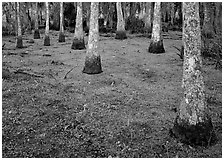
121 35
36 34
92 65
156 47
47 41
199 134
78 44
61 37
19 42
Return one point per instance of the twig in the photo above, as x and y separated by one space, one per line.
3 45
68 72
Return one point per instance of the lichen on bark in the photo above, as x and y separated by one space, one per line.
156 43
47 38
36 31
61 37
93 60
120 33
19 39
193 123
78 41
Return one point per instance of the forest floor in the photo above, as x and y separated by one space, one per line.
51 109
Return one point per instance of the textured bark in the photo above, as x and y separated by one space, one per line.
156 44
121 33
193 124
93 61
218 18
61 37
19 41
148 18
47 38
61 34
78 41
172 13
208 29
36 30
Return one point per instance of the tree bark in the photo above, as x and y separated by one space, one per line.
148 18
193 124
61 33
19 41
93 60
47 38
120 33
156 43
208 29
78 41
36 30
218 18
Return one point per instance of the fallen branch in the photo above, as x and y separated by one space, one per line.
28 73
68 72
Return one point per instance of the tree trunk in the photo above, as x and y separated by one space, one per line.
142 10
36 30
47 38
120 33
156 43
193 124
19 40
93 61
218 18
61 33
148 18
78 41
172 13
208 29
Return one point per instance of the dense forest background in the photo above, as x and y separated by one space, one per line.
135 16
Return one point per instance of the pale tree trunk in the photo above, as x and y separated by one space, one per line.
208 29
156 43
93 60
172 12
142 10
193 124
19 41
47 38
78 41
36 30
61 33
120 33
105 9
148 18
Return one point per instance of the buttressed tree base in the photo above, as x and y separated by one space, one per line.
156 47
19 42
78 44
121 35
36 34
61 37
92 65
200 134
46 41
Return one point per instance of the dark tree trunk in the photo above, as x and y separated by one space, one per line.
93 60
208 29
19 40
